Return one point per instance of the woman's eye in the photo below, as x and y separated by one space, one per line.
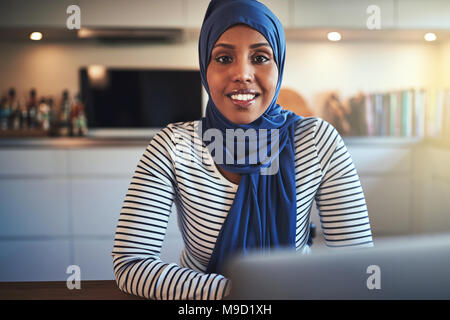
223 59
261 59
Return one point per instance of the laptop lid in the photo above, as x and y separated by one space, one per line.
398 268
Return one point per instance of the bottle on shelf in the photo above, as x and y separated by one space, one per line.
23 117
78 117
9 110
3 114
52 118
32 110
16 115
64 115
43 115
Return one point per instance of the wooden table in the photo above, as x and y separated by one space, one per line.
57 290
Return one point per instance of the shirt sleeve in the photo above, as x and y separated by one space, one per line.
340 198
141 229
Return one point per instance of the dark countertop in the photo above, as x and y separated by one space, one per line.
57 290
100 142
71 143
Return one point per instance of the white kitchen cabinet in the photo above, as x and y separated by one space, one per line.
388 160
196 9
93 13
389 204
340 13
282 9
440 163
386 174
34 207
419 14
437 216
26 13
195 12
134 14
34 259
93 256
104 161
32 163
96 204
436 209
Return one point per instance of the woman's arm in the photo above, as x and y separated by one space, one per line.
141 229
340 199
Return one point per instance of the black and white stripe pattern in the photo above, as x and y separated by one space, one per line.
177 169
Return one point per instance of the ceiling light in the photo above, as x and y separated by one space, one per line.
430 36
334 36
36 36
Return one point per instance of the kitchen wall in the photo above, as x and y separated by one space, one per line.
444 69
312 67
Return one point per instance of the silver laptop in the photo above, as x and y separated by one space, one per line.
398 268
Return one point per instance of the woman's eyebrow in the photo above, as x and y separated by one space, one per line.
253 46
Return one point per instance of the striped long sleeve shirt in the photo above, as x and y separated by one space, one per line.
177 169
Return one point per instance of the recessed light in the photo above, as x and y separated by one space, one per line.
84 33
334 36
430 36
36 36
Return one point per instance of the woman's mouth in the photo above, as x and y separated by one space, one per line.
243 100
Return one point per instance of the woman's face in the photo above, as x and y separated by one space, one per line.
242 74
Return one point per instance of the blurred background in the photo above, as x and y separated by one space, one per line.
85 84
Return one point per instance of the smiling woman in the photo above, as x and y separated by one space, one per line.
242 75
231 208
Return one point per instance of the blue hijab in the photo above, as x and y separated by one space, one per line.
263 214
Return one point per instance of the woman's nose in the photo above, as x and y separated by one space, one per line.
242 71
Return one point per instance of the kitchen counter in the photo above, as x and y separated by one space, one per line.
95 142
71 143
57 290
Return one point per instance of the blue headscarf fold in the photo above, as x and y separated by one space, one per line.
263 214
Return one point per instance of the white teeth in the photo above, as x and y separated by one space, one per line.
243 97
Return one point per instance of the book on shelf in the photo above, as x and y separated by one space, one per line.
378 114
437 119
407 107
357 115
412 112
368 112
419 113
385 115
395 114
402 113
